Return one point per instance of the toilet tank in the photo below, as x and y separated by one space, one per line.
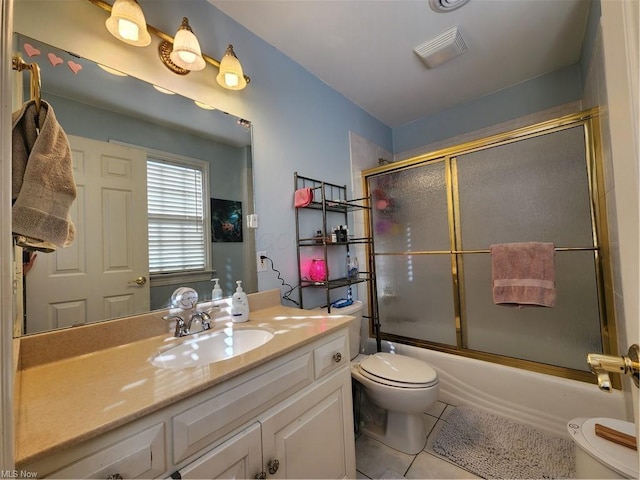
355 310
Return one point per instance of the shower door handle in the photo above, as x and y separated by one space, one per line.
602 365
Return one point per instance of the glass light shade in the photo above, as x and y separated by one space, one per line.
230 75
186 51
127 23
112 71
163 90
204 106
318 270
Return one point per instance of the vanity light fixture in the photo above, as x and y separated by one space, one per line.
231 75
172 51
127 23
185 53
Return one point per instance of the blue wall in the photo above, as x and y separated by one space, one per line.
300 124
555 88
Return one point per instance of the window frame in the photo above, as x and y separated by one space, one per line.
171 278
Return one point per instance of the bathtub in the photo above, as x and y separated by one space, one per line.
542 401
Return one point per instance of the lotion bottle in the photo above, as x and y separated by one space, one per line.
239 305
216 293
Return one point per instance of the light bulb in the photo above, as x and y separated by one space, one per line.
188 57
128 30
231 79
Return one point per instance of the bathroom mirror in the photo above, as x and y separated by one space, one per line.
124 112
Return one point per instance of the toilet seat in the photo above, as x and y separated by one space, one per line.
621 459
398 371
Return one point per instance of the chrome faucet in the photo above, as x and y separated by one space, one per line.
204 319
600 365
181 327
184 328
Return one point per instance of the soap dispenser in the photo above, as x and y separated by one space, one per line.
239 305
216 293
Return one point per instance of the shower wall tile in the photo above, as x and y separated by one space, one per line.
364 156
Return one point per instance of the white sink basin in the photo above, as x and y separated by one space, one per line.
202 349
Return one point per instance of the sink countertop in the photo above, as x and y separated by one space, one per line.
63 403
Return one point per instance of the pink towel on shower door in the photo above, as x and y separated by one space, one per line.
524 273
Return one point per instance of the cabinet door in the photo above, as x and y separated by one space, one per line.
311 436
238 457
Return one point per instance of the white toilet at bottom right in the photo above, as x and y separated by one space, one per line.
597 457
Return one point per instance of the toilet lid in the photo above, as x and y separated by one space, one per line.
398 370
621 459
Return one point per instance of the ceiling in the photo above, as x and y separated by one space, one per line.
364 49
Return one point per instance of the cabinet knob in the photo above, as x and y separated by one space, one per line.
261 475
273 465
337 357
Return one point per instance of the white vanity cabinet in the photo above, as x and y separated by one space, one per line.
309 434
290 417
303 437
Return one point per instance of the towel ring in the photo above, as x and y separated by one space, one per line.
35 84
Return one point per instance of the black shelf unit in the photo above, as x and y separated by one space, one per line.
331 200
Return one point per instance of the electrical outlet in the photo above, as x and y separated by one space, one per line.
262 264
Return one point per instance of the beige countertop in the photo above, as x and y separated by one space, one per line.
64 402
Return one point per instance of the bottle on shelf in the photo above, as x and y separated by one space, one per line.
341 234
352 266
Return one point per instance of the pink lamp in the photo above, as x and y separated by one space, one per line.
318 270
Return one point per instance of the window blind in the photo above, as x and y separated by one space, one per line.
176 217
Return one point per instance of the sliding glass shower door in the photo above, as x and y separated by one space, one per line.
434 219
415 291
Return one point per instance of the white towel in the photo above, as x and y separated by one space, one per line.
43 187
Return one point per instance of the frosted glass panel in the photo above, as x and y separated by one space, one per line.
562 335
415 297
532 190
535 189
410 210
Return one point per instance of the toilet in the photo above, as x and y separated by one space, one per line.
597 457
404 386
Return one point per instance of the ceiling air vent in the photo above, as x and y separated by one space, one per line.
443 6
442 48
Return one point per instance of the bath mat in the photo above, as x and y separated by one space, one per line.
495 447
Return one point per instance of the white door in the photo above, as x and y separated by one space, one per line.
95 277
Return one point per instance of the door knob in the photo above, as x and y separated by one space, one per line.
601 365
273 465
139 281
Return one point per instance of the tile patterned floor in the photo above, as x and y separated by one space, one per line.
375 460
